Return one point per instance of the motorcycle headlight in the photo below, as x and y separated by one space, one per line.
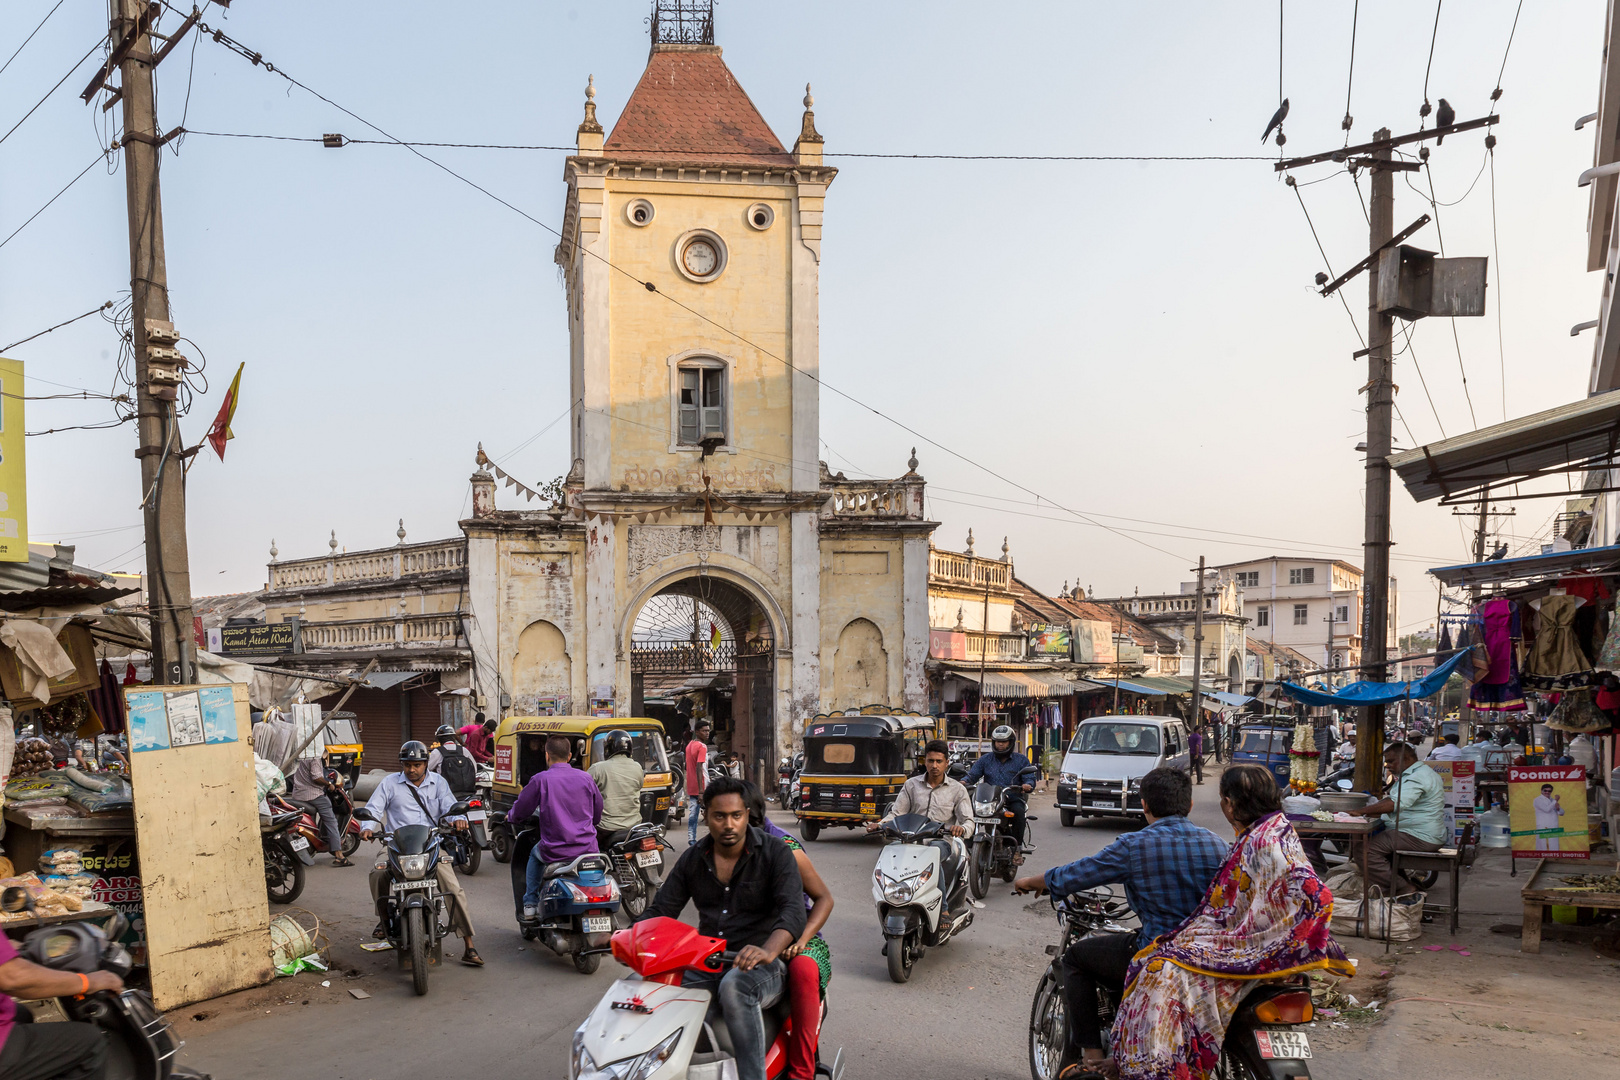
644 1065
579 1062
414 867
984 809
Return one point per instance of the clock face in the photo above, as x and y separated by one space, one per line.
700 258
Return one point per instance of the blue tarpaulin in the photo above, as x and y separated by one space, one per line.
1380 693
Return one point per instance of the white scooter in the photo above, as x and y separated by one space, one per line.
916 891
649 1027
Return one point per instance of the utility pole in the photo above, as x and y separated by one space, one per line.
1380 418
984 647
158 366
1198 652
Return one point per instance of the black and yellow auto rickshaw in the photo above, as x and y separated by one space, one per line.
520 752
854 766
343 746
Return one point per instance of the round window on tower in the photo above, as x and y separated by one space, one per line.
639 212
700 256
760 216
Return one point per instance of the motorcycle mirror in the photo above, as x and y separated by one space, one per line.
364 813
1343 785
116 927
459 808
16 899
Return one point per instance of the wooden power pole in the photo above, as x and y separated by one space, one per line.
1198 652
158 366
1380 420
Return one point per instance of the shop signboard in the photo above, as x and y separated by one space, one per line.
1547 811
13 466
262 639
503 764
1457 777
117 870
947 645
1093 641
1048 640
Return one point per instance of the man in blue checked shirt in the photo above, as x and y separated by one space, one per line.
1166 869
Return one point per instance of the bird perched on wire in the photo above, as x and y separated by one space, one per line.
1276 122
1444 117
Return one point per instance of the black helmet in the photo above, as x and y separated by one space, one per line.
618 742
1002 733
446 731
413 751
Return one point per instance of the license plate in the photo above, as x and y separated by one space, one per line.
299 843
1288 1045
410 886
1106 804
478 815
647 858
868 807
662 804
597 924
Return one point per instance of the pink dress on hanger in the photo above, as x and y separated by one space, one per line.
1499 689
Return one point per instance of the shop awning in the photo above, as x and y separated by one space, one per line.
1231 700
1572 438
384 680
1170 684
1020 684
1127 686
1554 564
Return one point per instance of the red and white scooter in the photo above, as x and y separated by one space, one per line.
650 1027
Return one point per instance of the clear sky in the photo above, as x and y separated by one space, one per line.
1140 342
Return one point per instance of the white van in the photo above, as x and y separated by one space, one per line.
1108 758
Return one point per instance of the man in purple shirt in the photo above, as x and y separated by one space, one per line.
566 805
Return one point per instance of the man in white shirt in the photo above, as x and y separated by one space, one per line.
1548 812
1447 750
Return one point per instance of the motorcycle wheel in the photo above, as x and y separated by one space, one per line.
899 959
587 963
809 830
1067 817
500 844
1048 1026
284 877
979 870
474 856
1422 880
351 844
416 934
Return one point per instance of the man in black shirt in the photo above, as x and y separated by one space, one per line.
746 888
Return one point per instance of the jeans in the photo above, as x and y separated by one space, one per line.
694 810
1016 824
1097 961
321 807
534 877
742 998
54 1052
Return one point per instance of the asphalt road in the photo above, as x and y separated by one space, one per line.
963 1015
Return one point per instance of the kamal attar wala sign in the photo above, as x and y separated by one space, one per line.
13 465
1547 811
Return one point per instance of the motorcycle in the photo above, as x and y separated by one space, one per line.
920 893
650 1024
286 853
995 850
139 1041
309 825
466 849
414 911
1263 1042
482 792
787 782
577 902
637 857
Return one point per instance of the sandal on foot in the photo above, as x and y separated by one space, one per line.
471 958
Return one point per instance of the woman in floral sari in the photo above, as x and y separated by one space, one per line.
1265 916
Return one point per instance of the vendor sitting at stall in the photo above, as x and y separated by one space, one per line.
1415 806
59 1051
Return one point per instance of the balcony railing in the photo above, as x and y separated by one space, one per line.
968 571
362 567
417 631
891 499
992 648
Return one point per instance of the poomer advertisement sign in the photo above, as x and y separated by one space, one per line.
1547 811
13 466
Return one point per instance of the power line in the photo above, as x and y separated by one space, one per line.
53 198
1513 30
1350 78
1434 35
51 91
58 326
1496 247
30 37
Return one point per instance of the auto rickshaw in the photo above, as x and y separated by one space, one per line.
343 747
520 753
854 766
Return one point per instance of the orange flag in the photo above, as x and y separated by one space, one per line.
221 430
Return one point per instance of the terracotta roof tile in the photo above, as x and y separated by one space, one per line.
689 107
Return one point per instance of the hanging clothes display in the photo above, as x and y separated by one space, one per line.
1445 637
1578 711
1469 638
1499 689
1556 653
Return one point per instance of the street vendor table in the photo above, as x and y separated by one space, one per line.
20 925
43 825
1546 887
1353 832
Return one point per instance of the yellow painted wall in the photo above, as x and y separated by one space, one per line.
861 579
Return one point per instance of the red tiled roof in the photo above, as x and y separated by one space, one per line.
689 107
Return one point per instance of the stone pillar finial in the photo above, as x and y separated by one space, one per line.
970 542
401 531
588 140
274 554
807 151
1006 551
960 625
332 543
911 463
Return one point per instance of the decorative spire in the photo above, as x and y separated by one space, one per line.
970 542
273 552
1006 552
807 150
401 532
590 126
332 543
960 625
911 463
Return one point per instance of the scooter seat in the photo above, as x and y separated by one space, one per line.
589 861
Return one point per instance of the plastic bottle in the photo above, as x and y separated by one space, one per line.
1494 831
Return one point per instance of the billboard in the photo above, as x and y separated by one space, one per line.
13 465
1093 641
1047 640
1547 811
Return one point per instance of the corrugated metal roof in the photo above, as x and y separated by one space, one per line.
1530 568
1020 684
383 680
1125 685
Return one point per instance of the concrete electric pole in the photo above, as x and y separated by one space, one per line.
159 368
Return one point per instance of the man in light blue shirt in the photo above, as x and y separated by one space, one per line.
1416 801
414 796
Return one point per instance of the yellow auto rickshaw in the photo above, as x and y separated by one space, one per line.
855 765
520 753
343 746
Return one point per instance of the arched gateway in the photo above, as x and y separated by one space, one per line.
700 557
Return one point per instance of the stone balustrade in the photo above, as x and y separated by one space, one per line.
442 630
403 561
951 568
892 499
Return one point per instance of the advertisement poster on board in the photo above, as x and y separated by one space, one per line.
1547 811
1457 778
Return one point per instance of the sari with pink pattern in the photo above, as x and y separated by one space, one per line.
1265 916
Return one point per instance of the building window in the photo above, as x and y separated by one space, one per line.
701 406
1302 576
1262 616
1343 614
1248 579
1301 614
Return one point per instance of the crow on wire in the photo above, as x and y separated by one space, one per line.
1444 117
1276 122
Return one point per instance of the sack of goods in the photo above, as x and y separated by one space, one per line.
62 862
33 756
